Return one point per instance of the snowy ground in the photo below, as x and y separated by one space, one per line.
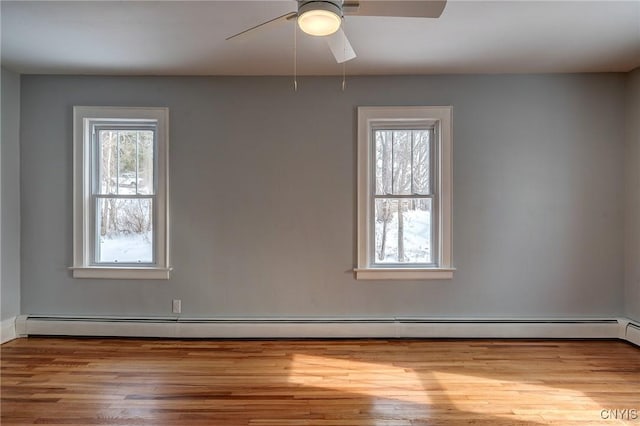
138 248
132 248
417 238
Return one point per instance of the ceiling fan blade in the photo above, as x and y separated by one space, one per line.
400 8
281 18
340 46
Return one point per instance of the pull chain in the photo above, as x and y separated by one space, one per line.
344 76
295 57
344 64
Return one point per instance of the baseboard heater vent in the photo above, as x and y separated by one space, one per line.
170 327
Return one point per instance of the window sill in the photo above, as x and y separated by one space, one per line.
121 273
403 274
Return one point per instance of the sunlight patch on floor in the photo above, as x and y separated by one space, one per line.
376 380
469 393
530 401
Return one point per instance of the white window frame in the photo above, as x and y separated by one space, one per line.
370 118
84 231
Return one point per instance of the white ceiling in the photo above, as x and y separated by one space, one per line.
188 38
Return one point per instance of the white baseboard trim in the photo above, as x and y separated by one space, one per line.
7 330
246 328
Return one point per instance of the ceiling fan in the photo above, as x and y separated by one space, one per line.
323 18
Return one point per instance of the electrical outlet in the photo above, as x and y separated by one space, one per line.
176 306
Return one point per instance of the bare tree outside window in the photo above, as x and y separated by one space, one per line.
125 202
403 197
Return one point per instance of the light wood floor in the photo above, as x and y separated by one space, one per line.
339 383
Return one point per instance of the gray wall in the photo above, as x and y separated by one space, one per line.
263 196
632 197
10 196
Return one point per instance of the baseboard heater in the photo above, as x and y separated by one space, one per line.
632 333
242 328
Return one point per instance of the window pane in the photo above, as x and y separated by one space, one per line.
125 230
403 231
401 162
127 177
145 162
126 162
107 162
384 167
421 162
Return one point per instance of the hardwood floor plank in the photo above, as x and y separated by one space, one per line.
58 381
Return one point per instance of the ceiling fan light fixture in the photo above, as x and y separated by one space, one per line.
319 18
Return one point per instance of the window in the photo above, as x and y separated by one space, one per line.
120 193
404 193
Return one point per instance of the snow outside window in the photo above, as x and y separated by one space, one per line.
121 191
404 193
